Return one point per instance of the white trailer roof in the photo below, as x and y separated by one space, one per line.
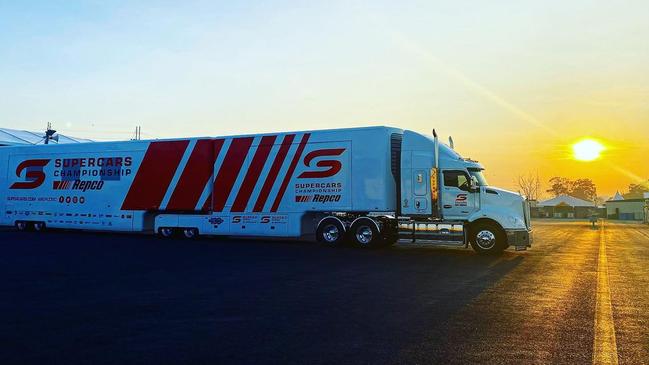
565 200
15 137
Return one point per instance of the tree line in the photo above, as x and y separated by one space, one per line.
530 186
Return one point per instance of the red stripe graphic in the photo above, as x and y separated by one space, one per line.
154 175
229 171
273 172
207 204
196 174
289 173
249 182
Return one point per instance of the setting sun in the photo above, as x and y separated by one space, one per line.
587 150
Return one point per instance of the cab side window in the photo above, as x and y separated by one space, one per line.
457 179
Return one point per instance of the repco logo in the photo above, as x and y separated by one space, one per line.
34 175
333 166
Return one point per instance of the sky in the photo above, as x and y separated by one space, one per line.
515 83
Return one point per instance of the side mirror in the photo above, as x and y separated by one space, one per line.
474 184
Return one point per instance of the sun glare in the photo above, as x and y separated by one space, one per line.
587 150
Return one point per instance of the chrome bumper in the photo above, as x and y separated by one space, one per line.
519 238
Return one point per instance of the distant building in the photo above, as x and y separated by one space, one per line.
566 206
628 209
15 137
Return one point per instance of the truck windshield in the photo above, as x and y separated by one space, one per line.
477 173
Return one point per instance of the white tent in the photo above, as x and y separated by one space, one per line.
565 200
15 137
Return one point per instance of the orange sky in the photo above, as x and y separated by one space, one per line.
622 125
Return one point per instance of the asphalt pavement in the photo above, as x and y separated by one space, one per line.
579 296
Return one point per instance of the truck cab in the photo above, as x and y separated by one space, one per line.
446 198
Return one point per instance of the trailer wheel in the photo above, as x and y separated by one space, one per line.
330 231
22 226
39 226
190 233
365 234
166 232
487 238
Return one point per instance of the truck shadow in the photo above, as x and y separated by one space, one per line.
359 306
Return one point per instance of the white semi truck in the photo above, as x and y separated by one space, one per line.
366 186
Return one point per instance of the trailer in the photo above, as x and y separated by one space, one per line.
370 187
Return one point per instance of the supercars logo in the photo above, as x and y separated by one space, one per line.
332 166
461 200
34 175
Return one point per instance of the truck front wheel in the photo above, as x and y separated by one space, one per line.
330 231
487 238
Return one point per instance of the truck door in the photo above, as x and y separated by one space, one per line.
458 201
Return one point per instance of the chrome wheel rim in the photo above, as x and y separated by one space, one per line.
330 233
166 232
21 226
190 233
364 235
38 226
485 239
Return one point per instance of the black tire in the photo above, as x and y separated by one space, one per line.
330 232
166 232
190 233
487 238
39 226
23 226
364 233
